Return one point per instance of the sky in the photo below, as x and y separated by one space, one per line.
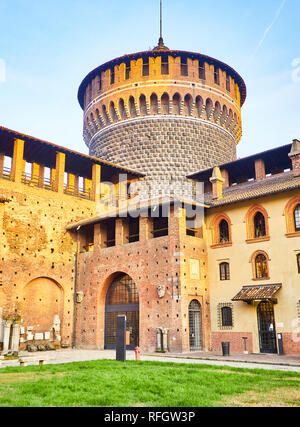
47 48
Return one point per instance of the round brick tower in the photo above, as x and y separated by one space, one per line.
163 112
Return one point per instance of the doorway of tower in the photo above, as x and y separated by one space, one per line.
195 326
266 327
122 299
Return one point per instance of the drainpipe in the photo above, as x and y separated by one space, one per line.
75 289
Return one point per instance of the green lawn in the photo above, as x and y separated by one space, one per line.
107 383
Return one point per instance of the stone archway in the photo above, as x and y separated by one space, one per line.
122 298
42 300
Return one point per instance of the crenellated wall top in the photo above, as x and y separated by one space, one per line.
166 65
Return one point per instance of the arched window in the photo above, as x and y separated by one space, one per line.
165 104
261 267
226 314
176 103
223 232
224 271
132 108
217 112
209 105
122 298
195 326
188 102
105 115
292 217
122 110
259 225
112 112
143 105
199 105
297 218
153 104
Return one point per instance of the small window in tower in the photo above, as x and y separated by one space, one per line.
298 263
127 71
164 65
112 76
217 76
100 82
184 67
228 83
202 75
146 67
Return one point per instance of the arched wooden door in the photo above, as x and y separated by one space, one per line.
266 327
195 326
122 299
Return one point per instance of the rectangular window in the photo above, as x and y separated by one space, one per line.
226 317
146 67
298 263
228 83
202 75
112 76
224 271
160 227
100 82
134 230
110 228
184 67
127 71
164 65
217 76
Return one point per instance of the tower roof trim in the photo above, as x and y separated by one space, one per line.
155 53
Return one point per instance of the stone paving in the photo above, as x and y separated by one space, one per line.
257 361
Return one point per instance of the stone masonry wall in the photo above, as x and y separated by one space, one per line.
165 148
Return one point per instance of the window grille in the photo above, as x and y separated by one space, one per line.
225 316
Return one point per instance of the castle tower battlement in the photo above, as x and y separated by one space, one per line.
166 113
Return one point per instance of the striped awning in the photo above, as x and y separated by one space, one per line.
258 293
